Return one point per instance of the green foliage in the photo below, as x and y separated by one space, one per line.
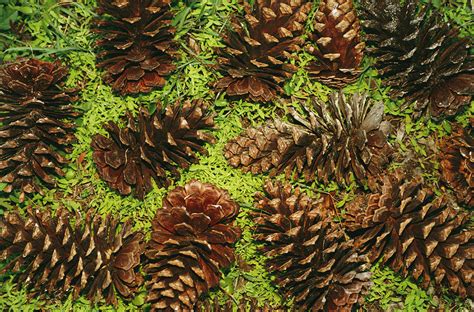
392 292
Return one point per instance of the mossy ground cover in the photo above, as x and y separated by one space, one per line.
61 29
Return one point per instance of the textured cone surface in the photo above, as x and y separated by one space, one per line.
339 48
137 48
96 257
246 304
457 164
36 115
309 254
256 63
407 228
151 147
332 142
419 55
192 240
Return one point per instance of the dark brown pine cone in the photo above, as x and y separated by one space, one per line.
152 147
313 261
36 116
192 240
137 48
255 61
339 49
95 257
457 164
418 55
335 141
407 228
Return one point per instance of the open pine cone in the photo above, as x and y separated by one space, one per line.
36 116
457 163
95 257
336 140
407 228
339 48
255 61
192 240
152 147
418 55
137 48
313 261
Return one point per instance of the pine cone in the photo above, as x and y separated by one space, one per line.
418 55
36 117
340 49
191 241
407 228
346 137
308 252
457 163
95 257
255 60
137 48
244 305
152 146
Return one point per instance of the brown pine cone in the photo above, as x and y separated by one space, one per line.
339 48
313 261
95 257
192 240
36 116
418 55
137 48
255 61
153 146
457 164
407 228
345 138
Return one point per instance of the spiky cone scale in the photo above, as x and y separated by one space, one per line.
333 142
191 241
456 157
136 46
152 147
406 227
37 124
339 48
97 257
244 305
255 64
310 255
419 55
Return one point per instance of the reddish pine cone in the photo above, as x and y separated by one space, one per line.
36 116
255 61
94 257
152 147
192 240
137 48
313 261
339 49
457 164
407 228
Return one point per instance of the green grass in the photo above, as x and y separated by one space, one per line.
60 31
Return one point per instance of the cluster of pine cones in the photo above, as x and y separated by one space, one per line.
323 264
